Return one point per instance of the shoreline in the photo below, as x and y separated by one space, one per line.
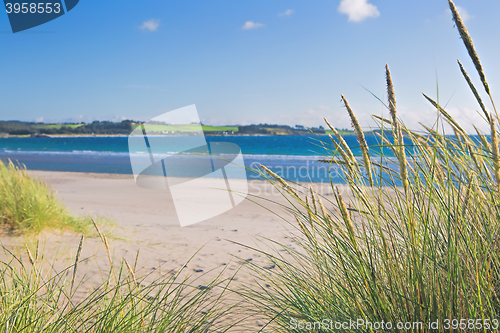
127 135
293 167
52 176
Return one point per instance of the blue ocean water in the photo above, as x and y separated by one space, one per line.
292 157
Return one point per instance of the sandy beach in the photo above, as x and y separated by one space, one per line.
146 220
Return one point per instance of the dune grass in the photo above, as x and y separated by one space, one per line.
29 205
36 298
413 241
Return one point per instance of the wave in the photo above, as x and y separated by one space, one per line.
103 154
51 152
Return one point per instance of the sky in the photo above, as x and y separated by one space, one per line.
247 61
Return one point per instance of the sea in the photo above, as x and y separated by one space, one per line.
295 158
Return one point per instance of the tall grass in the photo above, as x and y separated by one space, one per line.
410 241
28 204
36 298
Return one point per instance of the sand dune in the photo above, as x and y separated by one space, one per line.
146 220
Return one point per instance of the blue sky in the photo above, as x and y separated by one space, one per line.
245 61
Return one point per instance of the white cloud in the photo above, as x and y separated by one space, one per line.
358 10
287 12
151 25
464 14
251 25
39 120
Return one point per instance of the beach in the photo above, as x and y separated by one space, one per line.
92 176
183 168
145 220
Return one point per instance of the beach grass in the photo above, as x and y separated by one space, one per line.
29 205
34 297
411 243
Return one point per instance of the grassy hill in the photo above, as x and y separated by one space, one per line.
19 128
189 128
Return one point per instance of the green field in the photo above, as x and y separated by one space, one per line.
23 129
208 128
341 132
234 129
56 126
189 128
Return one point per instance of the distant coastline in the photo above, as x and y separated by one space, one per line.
124 128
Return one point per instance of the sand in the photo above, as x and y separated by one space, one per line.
146 220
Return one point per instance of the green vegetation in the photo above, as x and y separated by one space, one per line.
34 298
208 128
267 129
96 127
345 132
408 240
29 205
56 126
261 129
18 128
189 128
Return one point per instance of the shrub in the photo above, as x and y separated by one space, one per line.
28 204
